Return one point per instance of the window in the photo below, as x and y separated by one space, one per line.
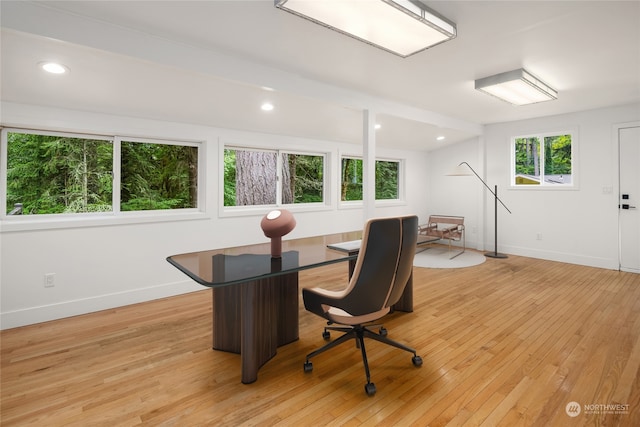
55 173
543 160
157 176
303 178
351 182
251 177
387 179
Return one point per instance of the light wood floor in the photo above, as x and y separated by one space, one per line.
506 343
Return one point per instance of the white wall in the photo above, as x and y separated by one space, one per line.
458 195
101 264
577 226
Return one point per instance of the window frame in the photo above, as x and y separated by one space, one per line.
573 185
229 211
82 219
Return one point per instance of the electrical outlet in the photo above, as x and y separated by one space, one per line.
49 280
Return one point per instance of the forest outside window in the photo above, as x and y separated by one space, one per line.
387 179
544 160
251 177
158 176
49 173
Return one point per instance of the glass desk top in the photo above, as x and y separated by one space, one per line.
228 266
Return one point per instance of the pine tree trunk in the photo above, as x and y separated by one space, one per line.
288 163
193 176
255 178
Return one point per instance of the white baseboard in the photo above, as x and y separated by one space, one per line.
606 263
33 315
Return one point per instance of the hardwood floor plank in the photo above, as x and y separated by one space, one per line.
505 343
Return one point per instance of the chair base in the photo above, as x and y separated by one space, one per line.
359 333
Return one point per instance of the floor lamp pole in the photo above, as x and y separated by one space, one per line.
495 253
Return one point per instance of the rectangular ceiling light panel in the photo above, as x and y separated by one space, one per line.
402 27
517 87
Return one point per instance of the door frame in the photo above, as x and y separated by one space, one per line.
615 140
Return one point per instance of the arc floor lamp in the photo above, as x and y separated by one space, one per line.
460 170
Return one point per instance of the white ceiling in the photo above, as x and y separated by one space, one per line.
211 62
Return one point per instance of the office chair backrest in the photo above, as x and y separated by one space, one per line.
384 264
405 261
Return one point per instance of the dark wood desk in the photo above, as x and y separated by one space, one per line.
255 297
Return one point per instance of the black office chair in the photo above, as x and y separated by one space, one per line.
382 269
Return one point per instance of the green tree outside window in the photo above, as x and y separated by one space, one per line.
50 173
251 177
552 166
387 179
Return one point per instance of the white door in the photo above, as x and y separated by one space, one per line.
629 212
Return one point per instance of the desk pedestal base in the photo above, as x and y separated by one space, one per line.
405 303
254 319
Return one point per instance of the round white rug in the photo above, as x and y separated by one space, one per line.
438 257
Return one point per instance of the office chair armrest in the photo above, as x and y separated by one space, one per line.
318 300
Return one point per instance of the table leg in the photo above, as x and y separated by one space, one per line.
255 318
287 297
405 303
259 337
227 318
352 266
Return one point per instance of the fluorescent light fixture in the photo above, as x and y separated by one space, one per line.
402 27
518 87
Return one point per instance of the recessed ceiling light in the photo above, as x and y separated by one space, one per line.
267 106
53 67
440 138
377 126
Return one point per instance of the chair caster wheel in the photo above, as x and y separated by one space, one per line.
326 335
308 366
383 331
417 360
370 389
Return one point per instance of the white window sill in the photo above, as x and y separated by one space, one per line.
239 211
51 222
